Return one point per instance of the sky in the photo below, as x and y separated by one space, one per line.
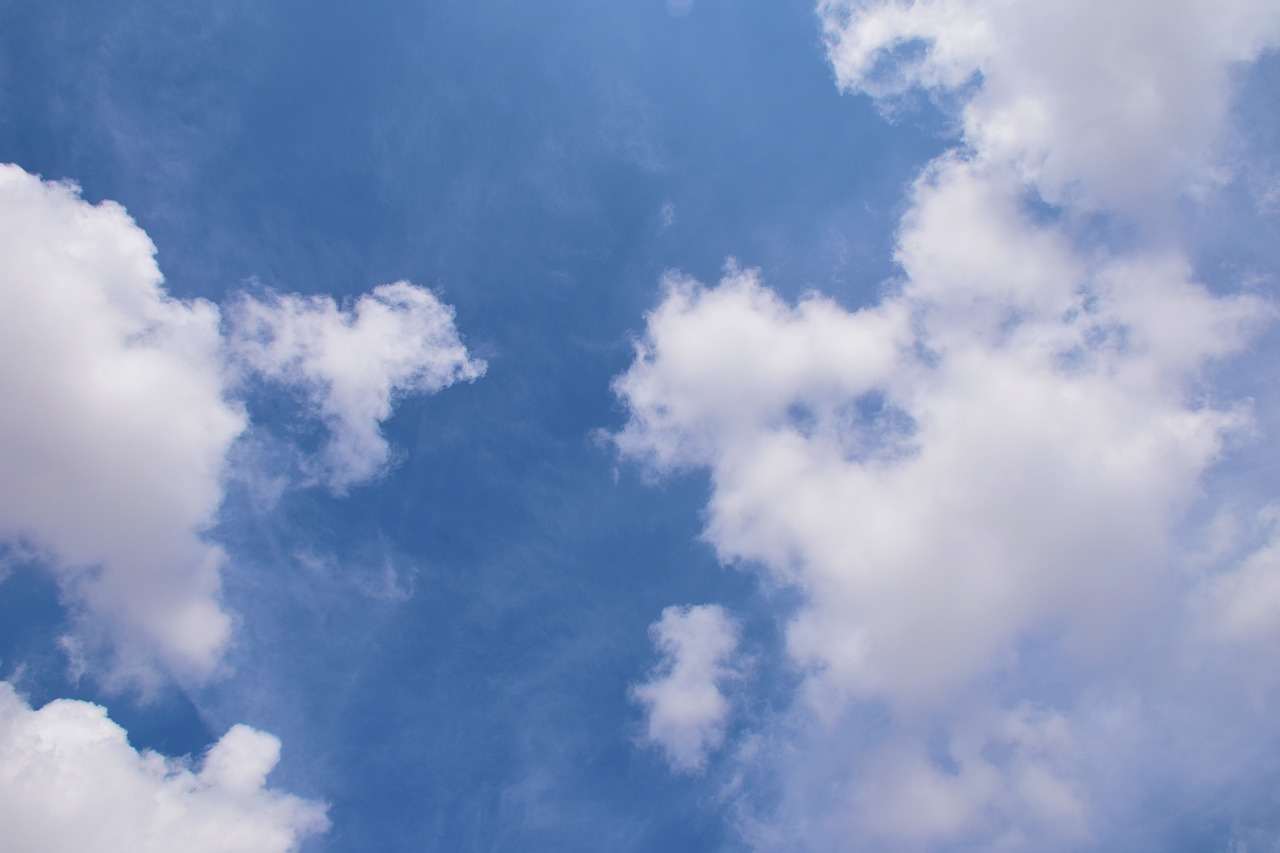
667 425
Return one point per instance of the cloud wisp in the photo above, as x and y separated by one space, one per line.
685 705
122 408
353 365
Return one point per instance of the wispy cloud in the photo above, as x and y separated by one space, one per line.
353 364
685 705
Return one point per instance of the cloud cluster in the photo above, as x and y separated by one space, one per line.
935 495
685 705
996 461
69 780
121 408
115 424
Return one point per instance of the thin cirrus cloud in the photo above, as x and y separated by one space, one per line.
69 780
684 702
1001 454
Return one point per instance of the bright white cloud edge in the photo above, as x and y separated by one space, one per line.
115 426
69 780
353 365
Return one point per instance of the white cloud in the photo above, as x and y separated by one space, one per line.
114 425
995 462
353 364
1047 442
1111 103
686 707
119 417
69 780
1239 608
1010 777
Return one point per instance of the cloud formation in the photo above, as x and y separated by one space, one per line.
120 410
995 463
353 364
1110 105
115 424
69 780
683 699
835 438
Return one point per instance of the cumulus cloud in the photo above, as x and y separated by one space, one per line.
354 364
685 705
120 414
115 423
996 461
1046 453
1110 104
69 780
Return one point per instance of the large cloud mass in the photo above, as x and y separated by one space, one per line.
70 781
982 484
1046 456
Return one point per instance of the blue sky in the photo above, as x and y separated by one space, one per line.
642 426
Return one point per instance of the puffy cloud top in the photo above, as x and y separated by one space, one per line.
70 781
353 365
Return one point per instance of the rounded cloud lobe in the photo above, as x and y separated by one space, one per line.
1114 105
69 780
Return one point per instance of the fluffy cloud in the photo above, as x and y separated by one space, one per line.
686 708
996 462
1047 444
1112 104
115 423
120 411
353 365
69 780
